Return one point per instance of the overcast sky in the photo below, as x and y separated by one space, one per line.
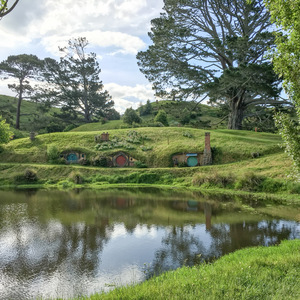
115 29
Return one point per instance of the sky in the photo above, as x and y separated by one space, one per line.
116 31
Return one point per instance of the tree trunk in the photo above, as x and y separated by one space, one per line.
19 105
236 113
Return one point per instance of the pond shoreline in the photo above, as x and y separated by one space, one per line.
260 273
279 198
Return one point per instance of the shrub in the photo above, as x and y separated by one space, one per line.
76 177
139 164
130 116
29 176
162 117
182 164
52 153
250 182
216 179
148 178
100 161
271 185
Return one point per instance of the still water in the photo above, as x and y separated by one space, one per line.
67 244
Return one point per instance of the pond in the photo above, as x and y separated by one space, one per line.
72 243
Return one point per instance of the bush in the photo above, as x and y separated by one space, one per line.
250 182
216 179
139 164
29 176
162 117
52 153
130 116
148 178
100 161
76 177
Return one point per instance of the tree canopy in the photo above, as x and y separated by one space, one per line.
213 48
286 58
5 8
74 83
130 116
21 67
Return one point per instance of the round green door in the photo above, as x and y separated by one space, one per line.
192 161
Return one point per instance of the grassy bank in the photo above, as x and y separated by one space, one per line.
263 175
26 162
252 273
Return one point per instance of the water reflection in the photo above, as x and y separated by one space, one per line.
67 244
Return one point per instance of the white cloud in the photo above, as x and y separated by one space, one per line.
115 29
122 42
127 96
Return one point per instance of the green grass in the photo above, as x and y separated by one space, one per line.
9 105
251 273
114 124
163 141
233 166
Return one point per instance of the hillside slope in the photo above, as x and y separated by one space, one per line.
154 147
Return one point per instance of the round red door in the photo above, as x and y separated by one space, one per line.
121 161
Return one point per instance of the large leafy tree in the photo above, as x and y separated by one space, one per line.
22 68
74 82
5 8
213 48
286 58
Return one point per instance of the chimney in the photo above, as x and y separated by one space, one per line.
105 137
207 156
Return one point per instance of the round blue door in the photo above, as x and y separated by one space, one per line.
72 157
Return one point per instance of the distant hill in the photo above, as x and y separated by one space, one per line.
180 113
34 117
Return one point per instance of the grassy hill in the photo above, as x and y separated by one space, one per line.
200 116
33 116
155 147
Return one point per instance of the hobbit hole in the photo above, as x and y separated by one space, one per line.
195 159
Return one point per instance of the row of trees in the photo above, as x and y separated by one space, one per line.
72 83
216 50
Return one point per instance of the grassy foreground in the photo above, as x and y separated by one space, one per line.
251 273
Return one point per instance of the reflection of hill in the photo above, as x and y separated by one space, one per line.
66 233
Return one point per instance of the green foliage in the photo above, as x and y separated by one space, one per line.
286 57
5 132
188 134
139 164
29 176
69 127
52 153
130 116
76 177
252 273
21 68
133 137
162 117
189 33
215 180
100 161
5 9
146 109
250 182
74 82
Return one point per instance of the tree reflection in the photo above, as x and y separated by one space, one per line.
179 247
